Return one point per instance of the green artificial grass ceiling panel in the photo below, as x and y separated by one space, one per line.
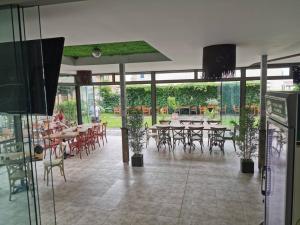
110 49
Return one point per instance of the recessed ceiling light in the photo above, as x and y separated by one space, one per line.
96 52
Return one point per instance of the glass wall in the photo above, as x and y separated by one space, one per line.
20 202
189 100
139 97
230 102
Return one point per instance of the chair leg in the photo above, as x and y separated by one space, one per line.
63 172
44 173
47 176
234 145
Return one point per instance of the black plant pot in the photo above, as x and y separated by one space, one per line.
247 166
137 160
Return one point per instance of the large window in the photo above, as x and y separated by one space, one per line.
175 76
66 101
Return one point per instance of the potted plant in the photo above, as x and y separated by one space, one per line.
136 134
212 103
247 140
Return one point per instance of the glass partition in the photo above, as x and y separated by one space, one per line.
18 178
230 102
189 100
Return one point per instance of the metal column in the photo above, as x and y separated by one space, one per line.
242 90
125 148
153 98
78 104
262 128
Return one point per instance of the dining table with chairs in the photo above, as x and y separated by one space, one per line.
188 133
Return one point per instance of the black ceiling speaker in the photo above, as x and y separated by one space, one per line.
295 70
219 61
83 77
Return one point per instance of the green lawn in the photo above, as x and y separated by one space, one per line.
110 49
114 120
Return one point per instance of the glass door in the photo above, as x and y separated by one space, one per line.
276 173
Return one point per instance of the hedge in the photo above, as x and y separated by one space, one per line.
185 94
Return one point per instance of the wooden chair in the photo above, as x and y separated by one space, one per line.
117 110
146 110
164 137
185 122
178 135
98 134
18 170
232 136
202 109
150 133
165 122
194 110
195 134
164 110
217 138
49 144
91 139
50 164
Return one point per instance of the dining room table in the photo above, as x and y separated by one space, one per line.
70 133
205 126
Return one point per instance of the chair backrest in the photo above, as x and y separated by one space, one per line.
218 132
162 131
214 122
185 122
165 122
14 166
197 122
13 147
196 131
178 131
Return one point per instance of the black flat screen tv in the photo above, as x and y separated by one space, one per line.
29 74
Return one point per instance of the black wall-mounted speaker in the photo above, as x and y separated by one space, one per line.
83 77
219 61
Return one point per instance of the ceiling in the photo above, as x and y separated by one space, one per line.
178 29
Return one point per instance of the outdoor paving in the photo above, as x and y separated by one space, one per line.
172 188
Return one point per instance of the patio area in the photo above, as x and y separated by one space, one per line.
172 188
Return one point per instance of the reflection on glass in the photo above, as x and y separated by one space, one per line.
276 174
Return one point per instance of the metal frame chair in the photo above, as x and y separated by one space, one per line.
178 135
217 138
163 137
195 134
150 133
18 170
232 136
50 164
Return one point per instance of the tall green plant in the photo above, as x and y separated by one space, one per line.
69 109
172 103
247 138
136 132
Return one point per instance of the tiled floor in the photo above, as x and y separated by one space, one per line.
172 188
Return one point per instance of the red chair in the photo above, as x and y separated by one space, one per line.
98 134
79 144
50 144
91 138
